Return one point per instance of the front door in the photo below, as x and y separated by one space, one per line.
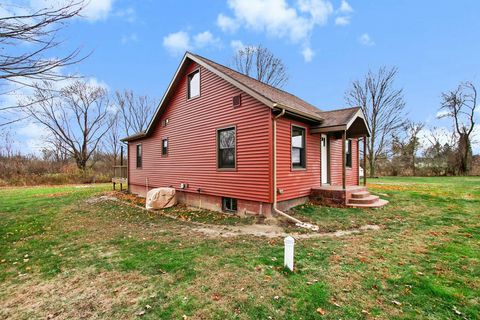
324 158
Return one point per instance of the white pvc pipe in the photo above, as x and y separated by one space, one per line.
289 250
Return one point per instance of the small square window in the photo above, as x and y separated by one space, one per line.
229 204
164 147
165 122
194 84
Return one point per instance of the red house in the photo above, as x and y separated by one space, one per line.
228 142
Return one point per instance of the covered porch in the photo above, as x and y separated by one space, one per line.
349 127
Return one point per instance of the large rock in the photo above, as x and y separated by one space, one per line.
160 198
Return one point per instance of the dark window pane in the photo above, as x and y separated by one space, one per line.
298 147
226 148
164 146
348 153
229 204
139 155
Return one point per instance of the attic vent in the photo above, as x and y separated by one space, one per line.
237 101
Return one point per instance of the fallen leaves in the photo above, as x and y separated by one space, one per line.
321 311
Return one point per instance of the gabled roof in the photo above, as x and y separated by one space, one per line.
270 96
343 119
273 94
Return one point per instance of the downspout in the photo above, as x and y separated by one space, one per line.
275 209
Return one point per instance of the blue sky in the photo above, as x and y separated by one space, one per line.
324 44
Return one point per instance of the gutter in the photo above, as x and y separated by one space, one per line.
274 206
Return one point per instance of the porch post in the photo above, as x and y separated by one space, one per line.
364 160
344 164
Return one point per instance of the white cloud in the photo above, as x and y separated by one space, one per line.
308 54
128 14
342 21
129 38
366 40
227 24
32 136
278 19
94 10
237 45
204 39
345 7
177 43
319 10
97 9
442 113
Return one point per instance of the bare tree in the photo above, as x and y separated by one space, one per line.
78 118
460 105
259 63
407 145
27 37
135 111
112 142
439 154
383 106
6 144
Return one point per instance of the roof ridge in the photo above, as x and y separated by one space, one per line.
349 108
244 75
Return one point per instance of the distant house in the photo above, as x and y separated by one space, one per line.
228 142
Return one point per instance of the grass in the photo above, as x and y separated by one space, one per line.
65 256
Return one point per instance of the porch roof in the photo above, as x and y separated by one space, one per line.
351 120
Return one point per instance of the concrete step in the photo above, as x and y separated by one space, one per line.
377 204
361 194
365 200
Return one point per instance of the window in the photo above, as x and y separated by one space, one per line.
348 153
229 204
165 122
139 155
164 147
226 148
298 147
194 84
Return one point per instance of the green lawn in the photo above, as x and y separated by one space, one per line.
64 255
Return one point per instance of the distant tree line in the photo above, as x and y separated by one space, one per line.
399 146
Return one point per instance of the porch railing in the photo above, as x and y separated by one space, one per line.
120 172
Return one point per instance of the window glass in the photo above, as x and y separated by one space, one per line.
139 155
298 147
194 84
229 204
226 148
348 153
164 146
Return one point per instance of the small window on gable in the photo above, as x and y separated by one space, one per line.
348 153
298 147
194 84
229 204
165 122
164 147
139 155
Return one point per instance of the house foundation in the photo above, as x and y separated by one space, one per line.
214 203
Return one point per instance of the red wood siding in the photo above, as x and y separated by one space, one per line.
192 150
296 183
336 163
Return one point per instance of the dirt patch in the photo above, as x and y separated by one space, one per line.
83 295
53 195
272 231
